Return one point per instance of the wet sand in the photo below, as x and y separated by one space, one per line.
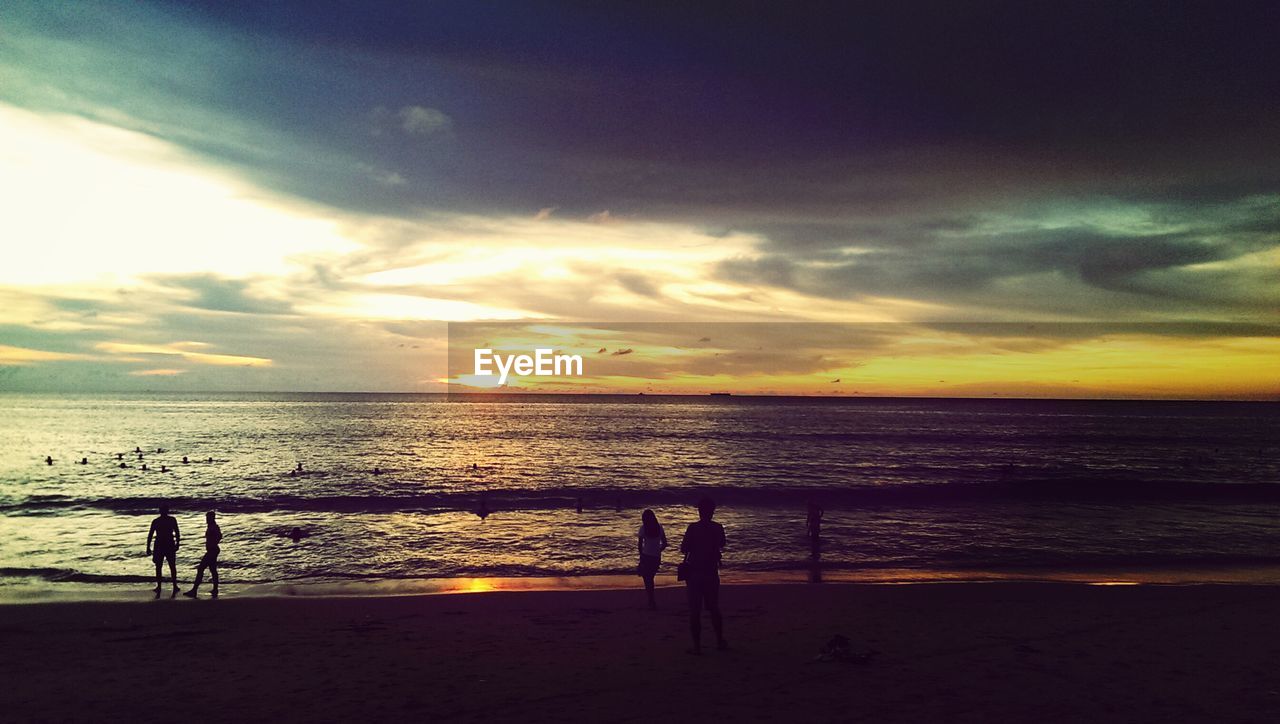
1000 652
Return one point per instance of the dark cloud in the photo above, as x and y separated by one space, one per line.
681 111
218 294
1094 246
637 284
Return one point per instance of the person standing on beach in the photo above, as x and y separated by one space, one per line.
167 537
212 537
653 540
814 525
701 546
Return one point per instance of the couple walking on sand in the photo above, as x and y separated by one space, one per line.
700 570
167 538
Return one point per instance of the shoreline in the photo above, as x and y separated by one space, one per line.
141 591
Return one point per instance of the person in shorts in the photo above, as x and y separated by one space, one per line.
166 537
702 544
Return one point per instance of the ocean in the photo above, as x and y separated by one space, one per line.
913 489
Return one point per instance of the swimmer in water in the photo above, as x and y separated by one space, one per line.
184 460
376 471
84 461
209 460
297 534
119 456
164 469
299 468
48 460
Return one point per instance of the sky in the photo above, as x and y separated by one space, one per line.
301 196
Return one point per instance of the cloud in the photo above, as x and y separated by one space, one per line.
422 121
220 294
210 175
1142 257
637 284
186 351
157 373
10 355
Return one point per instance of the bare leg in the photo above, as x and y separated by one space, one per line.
712 596
199 577
159 577
695 617
648 588
718 625
173 573
213 575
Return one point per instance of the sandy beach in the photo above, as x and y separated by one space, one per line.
944 652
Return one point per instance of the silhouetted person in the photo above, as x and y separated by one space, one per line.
299 468
48 460
164 530
210 460
297 534
212 537
119 456
144 466
652 541
164 468
701 546
483 511
813 524
184 460
123 466
377 471
137 449
84 461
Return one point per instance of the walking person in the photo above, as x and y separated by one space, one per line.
167 537
652 541
212 537
702 544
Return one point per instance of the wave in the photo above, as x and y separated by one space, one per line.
1066 489
68 575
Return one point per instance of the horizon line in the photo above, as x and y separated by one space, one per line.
718 395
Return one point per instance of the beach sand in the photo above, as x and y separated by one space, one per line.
999 652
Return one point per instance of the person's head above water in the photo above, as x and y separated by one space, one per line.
706 508
164 509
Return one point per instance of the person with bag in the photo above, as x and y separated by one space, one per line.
702 544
